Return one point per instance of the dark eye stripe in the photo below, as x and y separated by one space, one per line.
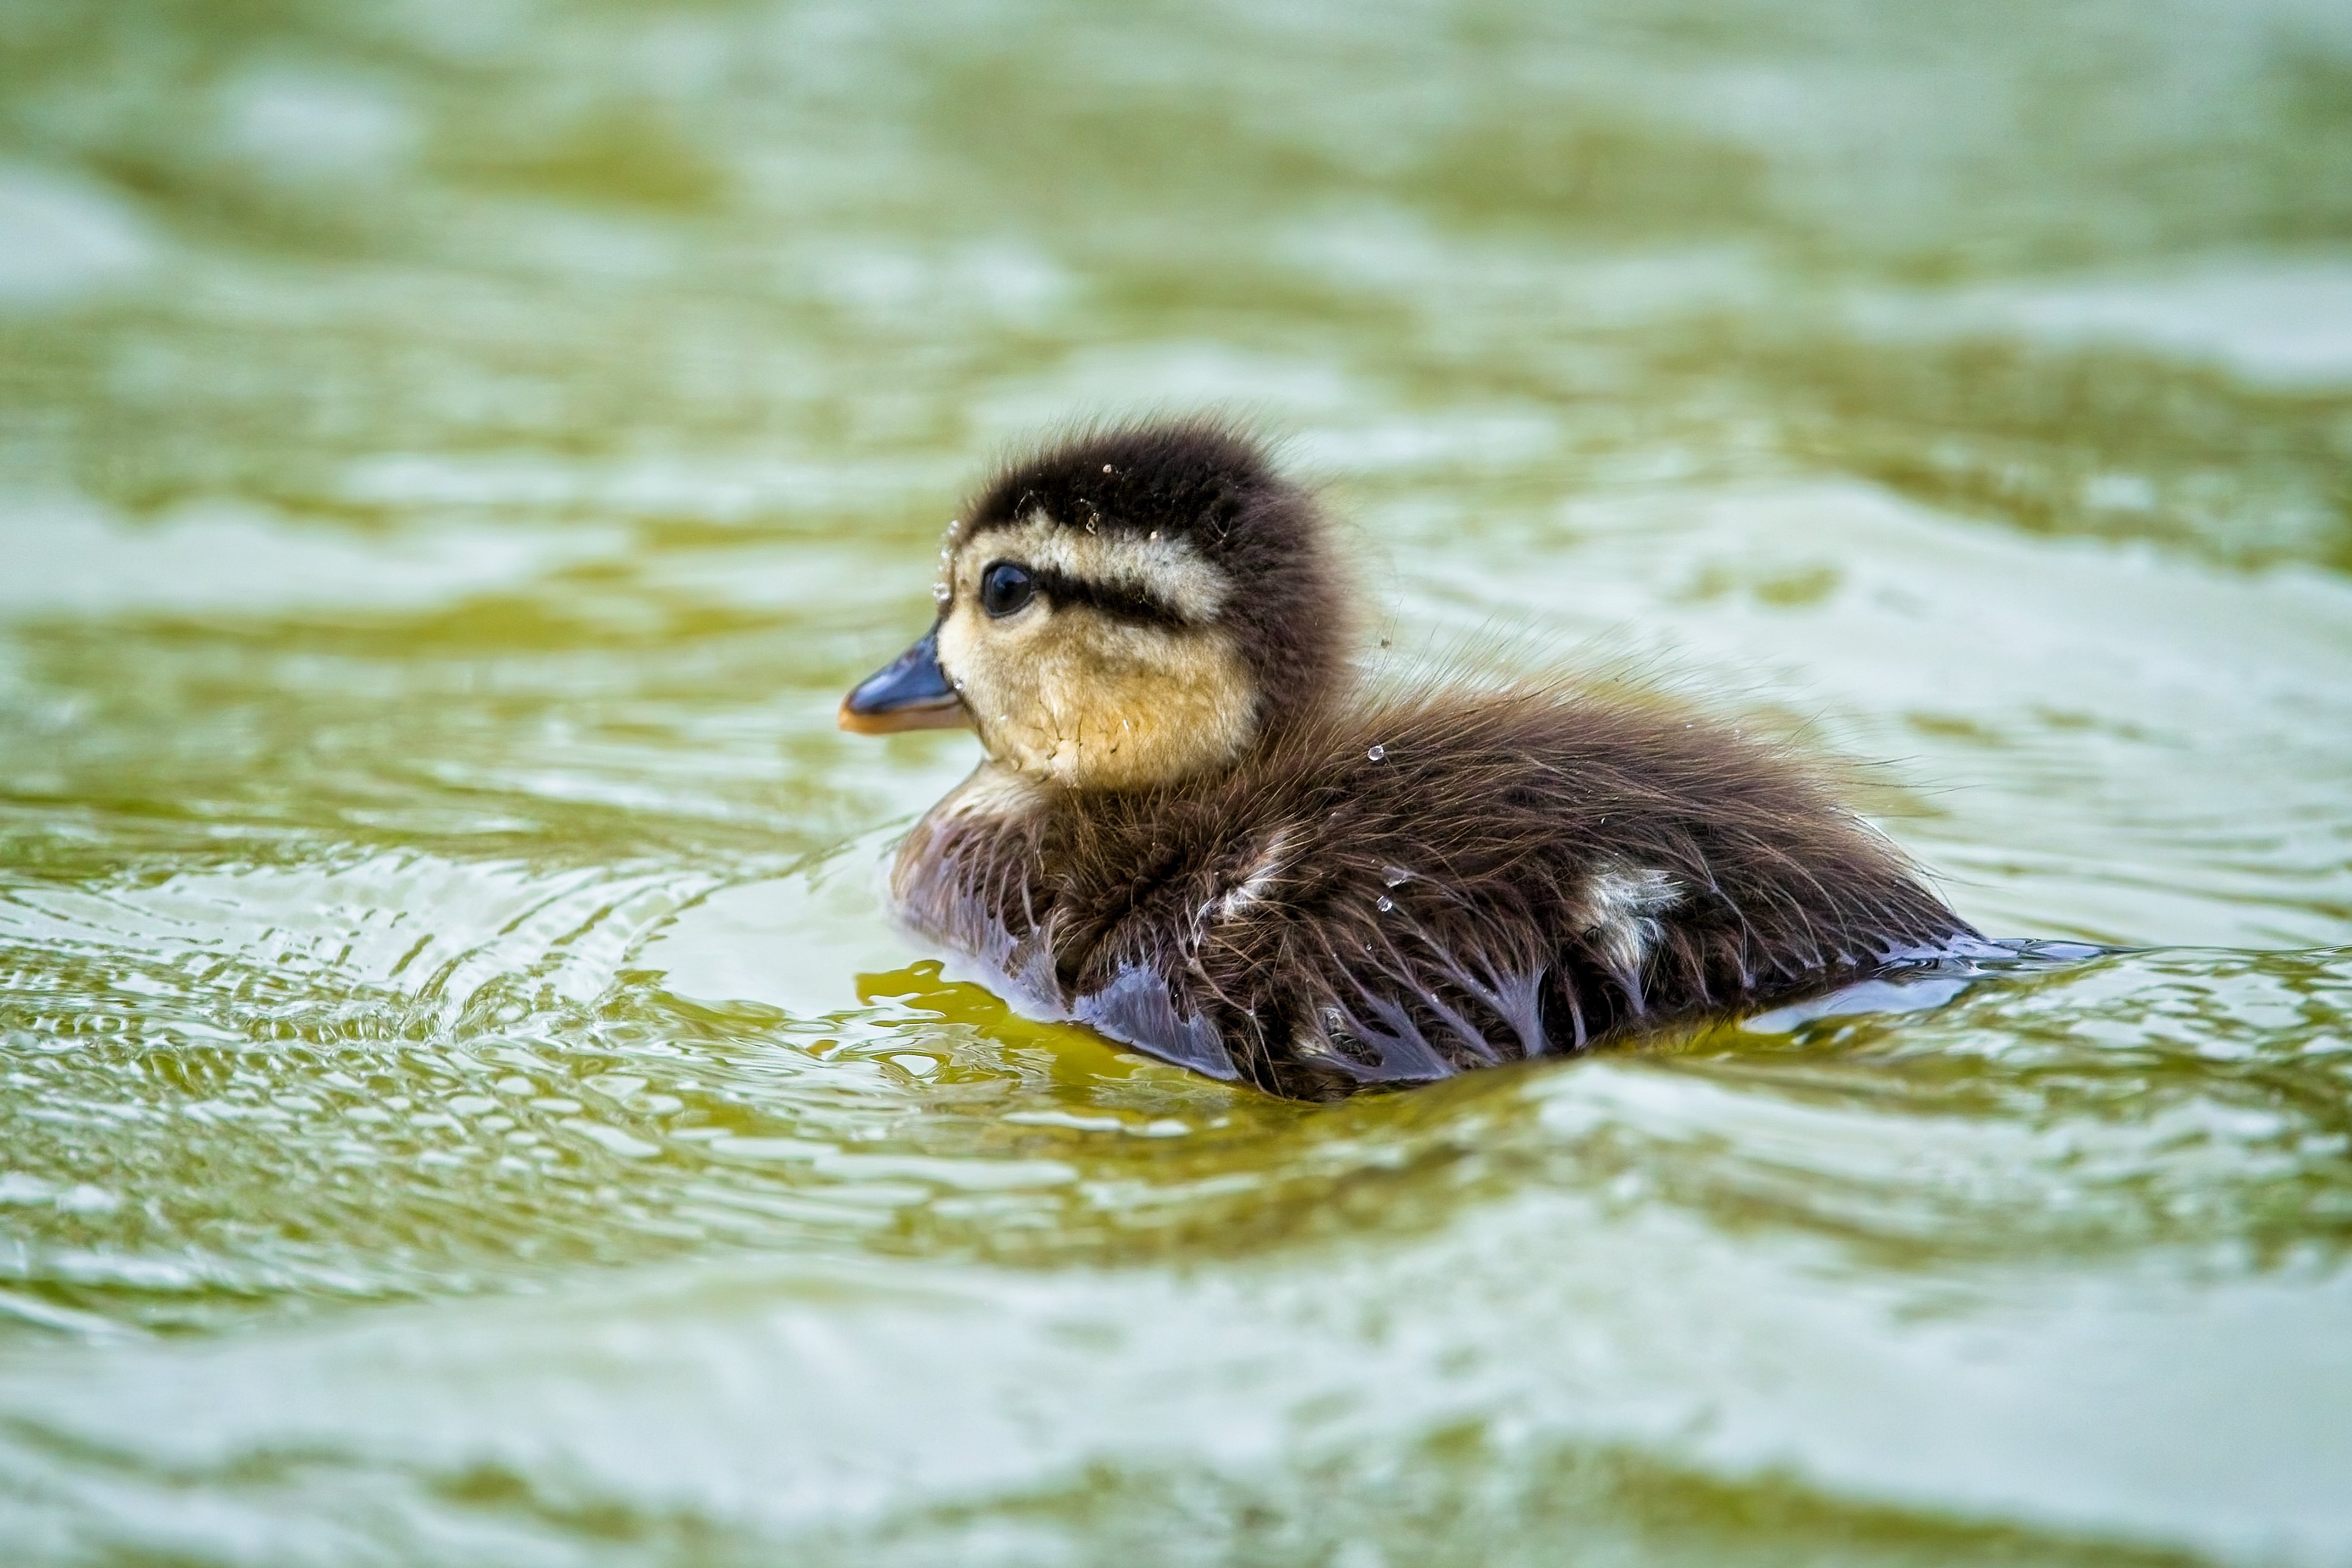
1122 601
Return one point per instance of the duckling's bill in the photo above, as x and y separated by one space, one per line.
910 692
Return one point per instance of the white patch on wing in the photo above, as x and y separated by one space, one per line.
1261 876
1621 908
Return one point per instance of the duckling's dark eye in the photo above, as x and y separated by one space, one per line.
1005 588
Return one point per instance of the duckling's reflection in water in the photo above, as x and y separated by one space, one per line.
1924 981
1195 832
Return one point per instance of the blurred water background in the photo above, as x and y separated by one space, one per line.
460 1104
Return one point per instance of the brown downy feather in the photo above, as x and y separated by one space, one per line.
1522 874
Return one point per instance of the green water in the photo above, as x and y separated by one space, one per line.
460 1103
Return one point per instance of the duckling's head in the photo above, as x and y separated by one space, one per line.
1128 608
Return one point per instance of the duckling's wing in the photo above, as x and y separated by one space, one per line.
1394 1001
1137 1009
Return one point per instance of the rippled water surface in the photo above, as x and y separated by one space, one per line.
460 1103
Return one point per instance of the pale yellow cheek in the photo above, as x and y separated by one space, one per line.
1086 702
995 668
1116 715
957 643
1141 735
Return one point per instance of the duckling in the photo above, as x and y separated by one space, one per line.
1193 829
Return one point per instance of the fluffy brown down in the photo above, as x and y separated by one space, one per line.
1322 918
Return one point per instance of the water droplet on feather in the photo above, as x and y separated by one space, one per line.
1387 903
1377 752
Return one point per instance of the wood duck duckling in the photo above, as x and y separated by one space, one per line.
1194 831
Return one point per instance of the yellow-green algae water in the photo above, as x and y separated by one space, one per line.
460 1103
